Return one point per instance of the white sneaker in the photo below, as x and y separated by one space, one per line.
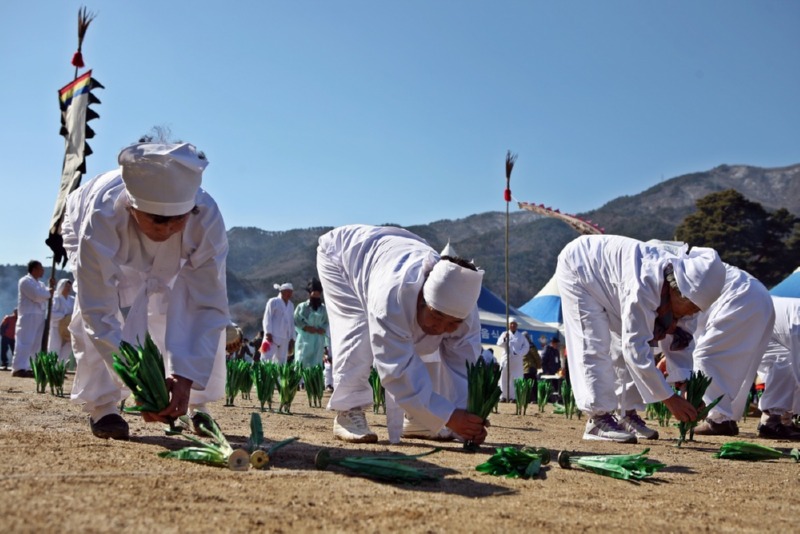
414 430
604 427
634 424
351 426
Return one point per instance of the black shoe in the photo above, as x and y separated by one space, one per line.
777 431
711 428
23 373
111 426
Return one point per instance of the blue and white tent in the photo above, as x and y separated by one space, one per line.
546 305
789 287
492 311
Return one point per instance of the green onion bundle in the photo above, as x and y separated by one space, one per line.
568 398
621 466
695 389
289 376
378 392
260 457
513 462
543 390
265 376
39 372
141 369
235 379
314 378
246 384
383 468
218 453
55 371
523 388
483 391
743 450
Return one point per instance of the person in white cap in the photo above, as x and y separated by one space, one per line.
518 346
391 299
63 304
641 292
730 338
278 325
148 249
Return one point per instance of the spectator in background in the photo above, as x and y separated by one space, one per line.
278 324
59 340
311 324
32 304
7 330
518 347
551 359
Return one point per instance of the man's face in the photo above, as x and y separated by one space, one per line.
681 306
512 326
37 271
159 228
286 294
433 322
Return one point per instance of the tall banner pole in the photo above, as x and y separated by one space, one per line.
510 160
53 241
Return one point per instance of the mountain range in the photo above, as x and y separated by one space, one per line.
259 258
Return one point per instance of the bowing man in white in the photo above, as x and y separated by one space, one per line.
31 305
729 340
148 248
63 304
518 346
641 292
391 299
278 324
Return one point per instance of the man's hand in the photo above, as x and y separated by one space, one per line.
269 337
681 409
467 425
179 389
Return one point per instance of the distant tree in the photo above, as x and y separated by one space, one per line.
766 245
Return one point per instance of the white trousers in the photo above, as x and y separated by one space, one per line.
514 368
628 396
30 328
779 371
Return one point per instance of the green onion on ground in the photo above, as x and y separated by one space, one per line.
660 412
621 466
235 379
141 369
795 454
543 390
513 462
383 468
378 392
483 391
568 398
265 376
246 383
218 453
39 372
259 456
314 378
289 376
696 387
743 450
56 373
523 388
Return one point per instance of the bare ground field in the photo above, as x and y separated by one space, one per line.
57 477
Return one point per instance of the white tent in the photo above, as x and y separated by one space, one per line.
546 305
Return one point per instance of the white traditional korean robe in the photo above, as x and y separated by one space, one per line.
62 306
611 284
278 320
127 285
372 277
730 338
31 307
518 345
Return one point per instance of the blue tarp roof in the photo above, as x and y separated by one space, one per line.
789 287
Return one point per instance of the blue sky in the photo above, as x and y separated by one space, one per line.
322 113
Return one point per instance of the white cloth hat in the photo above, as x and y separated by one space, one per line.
700 276
162 179
452 289
283 287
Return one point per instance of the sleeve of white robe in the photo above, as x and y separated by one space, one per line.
638 304
401 370
34 290
456 350
198 305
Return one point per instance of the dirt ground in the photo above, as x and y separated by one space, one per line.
55 476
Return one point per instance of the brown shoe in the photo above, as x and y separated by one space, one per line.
772 428
111 426
711 428
23 373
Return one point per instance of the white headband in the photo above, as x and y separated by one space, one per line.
452 289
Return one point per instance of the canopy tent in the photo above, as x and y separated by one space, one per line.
546 305
492 311
789 287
